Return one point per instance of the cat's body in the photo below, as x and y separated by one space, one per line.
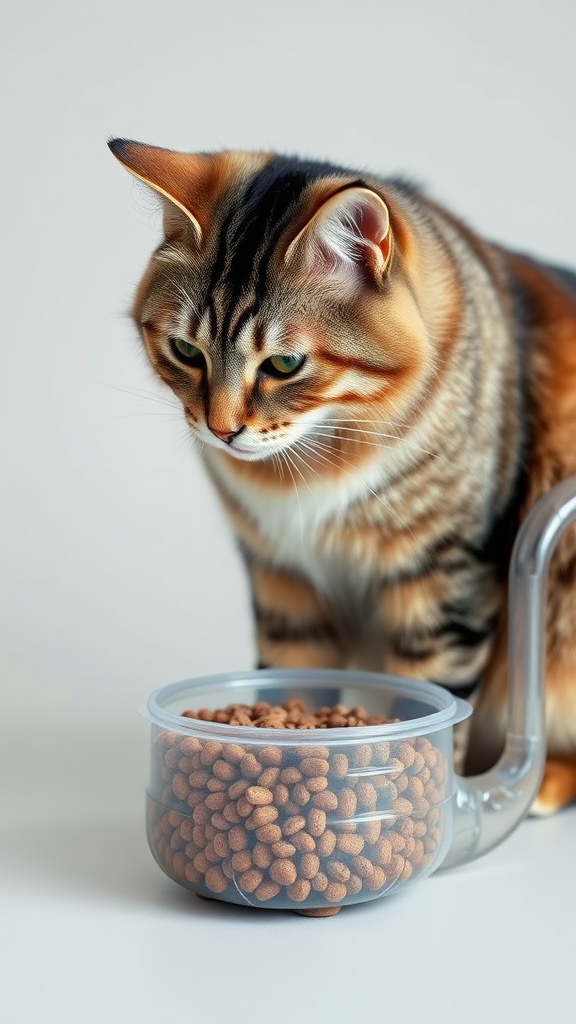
383 395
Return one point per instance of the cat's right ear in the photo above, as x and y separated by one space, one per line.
187 183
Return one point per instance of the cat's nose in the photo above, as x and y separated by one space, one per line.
227 435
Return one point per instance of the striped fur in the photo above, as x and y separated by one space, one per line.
377 487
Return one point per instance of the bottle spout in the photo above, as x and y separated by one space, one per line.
488 807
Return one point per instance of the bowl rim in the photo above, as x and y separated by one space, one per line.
451 709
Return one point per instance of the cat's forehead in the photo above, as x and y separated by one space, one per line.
252 335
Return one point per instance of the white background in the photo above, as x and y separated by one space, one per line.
119 573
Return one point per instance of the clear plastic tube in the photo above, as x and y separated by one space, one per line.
488 807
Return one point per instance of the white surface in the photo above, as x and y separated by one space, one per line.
118 573
93 931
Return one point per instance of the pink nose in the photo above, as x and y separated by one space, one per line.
226 435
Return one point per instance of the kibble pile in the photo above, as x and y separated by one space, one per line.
292 714
309 828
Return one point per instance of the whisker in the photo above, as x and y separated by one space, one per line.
385 504
374 444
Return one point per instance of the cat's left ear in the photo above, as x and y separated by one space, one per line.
187 183
347 236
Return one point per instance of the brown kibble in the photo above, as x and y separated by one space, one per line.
283 849
300 794
337 870
216 880
377 879
269 833
266 891
261 816
350 844
319 882
216 785
313 766
221 847
303 842
317 784
191 873
230 812
180 786
237 789
335 892
394 769
401 806
210 752
210 854
172 757
339 766
370 830
262 856
309 865
382 752
290 776
299 890
270 755
237 838
244 807
201 814
250 767
366 795
216 801
326 801
187 829
405 752
383 852
198 779
326 843
269 777
347 803
224 771
259 795
363 867
283 871
190 745
316 822
281 795
250 880
321 752
233 752
362 755
353 885
293 824
200 862
242 861
195 797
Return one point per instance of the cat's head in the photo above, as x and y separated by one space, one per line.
278 306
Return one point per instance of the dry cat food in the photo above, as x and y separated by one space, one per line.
305 827
292 714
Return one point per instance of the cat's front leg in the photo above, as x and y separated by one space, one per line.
293 627
441 624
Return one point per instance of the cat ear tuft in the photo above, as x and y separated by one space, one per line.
348 235
185 181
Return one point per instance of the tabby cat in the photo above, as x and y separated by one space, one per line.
381 395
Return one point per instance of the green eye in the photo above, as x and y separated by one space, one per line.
186 352
282 366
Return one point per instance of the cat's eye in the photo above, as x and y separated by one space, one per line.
282 366
186 352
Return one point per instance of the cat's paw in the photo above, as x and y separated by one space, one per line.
558 786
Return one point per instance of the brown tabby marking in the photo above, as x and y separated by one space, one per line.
381 396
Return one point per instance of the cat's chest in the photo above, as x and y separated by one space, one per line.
303 529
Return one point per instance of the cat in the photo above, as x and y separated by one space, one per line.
381 395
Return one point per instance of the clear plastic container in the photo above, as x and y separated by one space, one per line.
306 820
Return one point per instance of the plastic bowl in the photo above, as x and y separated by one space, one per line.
306 820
